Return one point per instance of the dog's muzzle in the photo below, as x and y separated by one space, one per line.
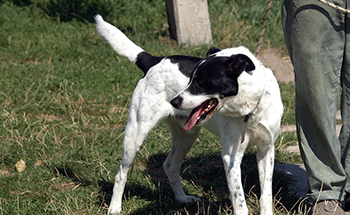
200 114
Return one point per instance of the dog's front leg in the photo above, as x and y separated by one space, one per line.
181 143
265 158
232 154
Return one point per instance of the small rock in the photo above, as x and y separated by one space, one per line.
20 166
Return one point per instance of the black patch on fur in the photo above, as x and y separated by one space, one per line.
239 63
218 75
213 50
186 64
145 61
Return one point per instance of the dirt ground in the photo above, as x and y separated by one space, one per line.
280 65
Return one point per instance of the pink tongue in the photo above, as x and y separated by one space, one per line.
193 118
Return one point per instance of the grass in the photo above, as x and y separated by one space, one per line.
64 97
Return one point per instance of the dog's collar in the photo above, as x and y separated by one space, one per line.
246 118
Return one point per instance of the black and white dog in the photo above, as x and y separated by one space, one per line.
229 92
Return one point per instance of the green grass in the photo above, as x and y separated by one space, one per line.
64 96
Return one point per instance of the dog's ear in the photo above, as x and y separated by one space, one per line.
236 64
213 50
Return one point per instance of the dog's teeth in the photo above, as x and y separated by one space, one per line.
198 117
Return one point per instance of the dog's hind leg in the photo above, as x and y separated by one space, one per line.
181 143
144 114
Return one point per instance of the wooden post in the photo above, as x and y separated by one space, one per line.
189 21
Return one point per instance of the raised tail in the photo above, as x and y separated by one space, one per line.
119 42
124 46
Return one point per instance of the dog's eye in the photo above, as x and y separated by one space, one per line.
200 81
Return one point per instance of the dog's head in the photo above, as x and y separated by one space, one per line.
213 79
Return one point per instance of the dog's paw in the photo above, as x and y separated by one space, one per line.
189 199
114 210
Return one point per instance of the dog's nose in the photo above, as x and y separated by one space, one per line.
176 102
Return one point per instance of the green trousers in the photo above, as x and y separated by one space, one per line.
318 41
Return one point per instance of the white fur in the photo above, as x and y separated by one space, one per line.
150 104
119 42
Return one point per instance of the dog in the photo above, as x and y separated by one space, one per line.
229 92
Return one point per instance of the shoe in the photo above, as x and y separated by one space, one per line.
327 207
347 202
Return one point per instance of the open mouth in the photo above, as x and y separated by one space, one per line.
201 114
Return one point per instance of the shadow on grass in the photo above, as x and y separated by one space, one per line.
106 187
204 176
22 2
67 10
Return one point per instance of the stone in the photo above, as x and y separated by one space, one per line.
189 21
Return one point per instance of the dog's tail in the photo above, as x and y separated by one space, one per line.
124 46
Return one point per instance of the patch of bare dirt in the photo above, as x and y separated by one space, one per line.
280 65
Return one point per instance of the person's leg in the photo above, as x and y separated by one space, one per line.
315 39
345 108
